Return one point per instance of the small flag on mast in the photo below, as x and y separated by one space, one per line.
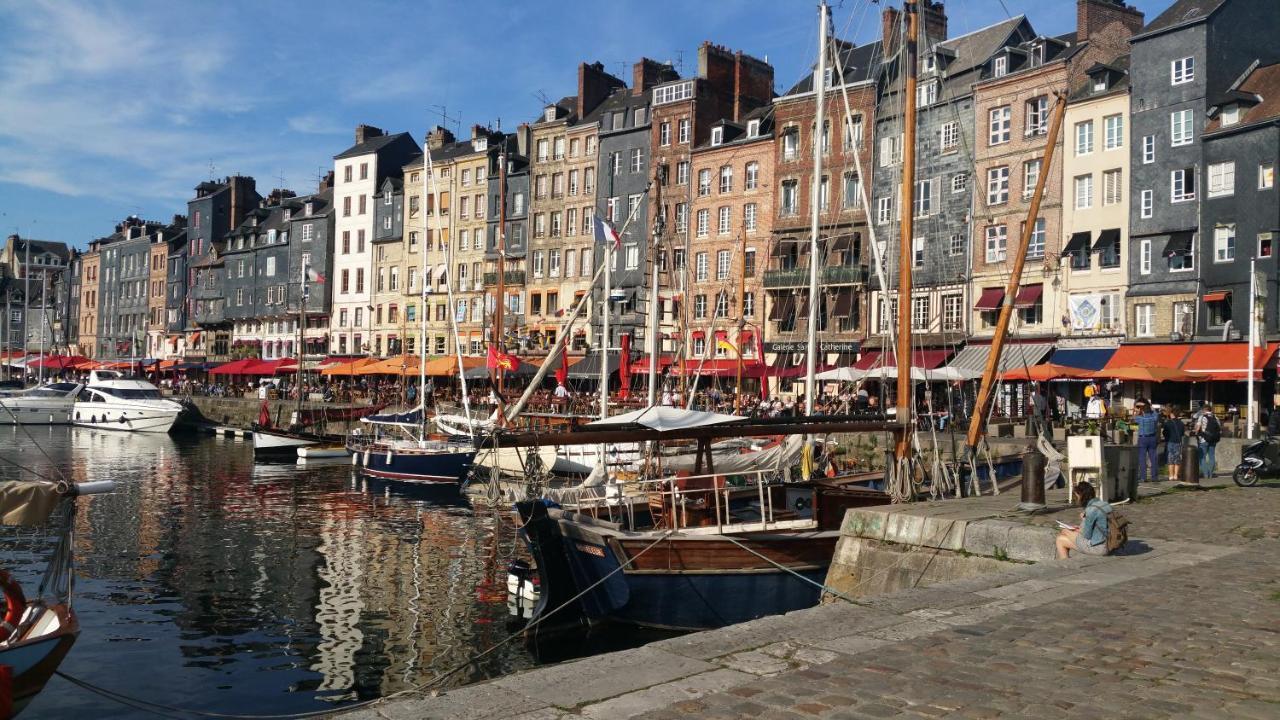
314 276
606 233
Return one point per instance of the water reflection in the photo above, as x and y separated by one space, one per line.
208 582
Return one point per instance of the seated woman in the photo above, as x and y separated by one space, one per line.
1091 537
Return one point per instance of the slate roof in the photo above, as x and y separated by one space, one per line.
50 246
372 145
1180 14
1084 90
1262 84
859 63
620 99
736 132
975 48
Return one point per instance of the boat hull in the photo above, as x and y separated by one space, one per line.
683 582
31 412
34 659
415 465
317 452
283 445
103 416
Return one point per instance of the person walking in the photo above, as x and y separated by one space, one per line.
1039 412
1148 437
1174 431
1208 432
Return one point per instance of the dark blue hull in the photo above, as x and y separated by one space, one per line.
411 465
680 584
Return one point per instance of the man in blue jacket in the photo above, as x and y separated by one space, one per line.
1148 423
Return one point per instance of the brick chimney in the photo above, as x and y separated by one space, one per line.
1094 15
438 138
647 73
244 195
594 85
890 31
752 84
326 182
367 132
933 22
479 131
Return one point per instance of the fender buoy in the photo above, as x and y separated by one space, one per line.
801 504
15 604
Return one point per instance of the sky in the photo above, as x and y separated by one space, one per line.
110 109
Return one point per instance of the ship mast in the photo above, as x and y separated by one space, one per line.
906 234
815 196
501 290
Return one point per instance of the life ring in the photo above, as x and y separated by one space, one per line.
15 604
801 504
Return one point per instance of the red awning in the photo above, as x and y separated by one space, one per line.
1163 355
1217 296
1028 296
927 359
235 367
697 334
1227 361
641 366
991 299
723 367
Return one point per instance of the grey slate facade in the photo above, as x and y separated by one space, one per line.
623 136
1194 49
217 208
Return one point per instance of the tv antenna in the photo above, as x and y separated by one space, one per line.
543 97
445 118
212 169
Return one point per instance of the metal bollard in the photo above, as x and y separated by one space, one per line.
1033 463
1189 471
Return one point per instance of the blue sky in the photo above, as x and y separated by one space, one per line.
115 108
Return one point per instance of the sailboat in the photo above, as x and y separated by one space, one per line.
37 633
397 446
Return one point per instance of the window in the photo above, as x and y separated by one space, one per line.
1084 137
753 128
890 150
1180 130
1112 187
1109 254
637 160
959 182
853 132
723 221
1219 313
1144 320
997 243
700 267
926 197
1222 179
1182 185
539 262
722 265
1030 175
570 263
824 193
1224 243
998 185
683 130
920 315
749 263
952 313
888 314
998 125
704 182
1000 67
1179 261
615 163
1146 203
726 179
1265 244
682 173
852 189
1144 257
884 210
704 223
553 265
573 182
682 217
588 180
790 197
364 171
955 245
664 134
927 93
1038 115
1266 176
633 256
271 267
1084 192
790 144
917 251
717 135
672 93
1182 70
1035 243
949 136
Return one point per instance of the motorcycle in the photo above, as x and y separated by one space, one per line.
1257 459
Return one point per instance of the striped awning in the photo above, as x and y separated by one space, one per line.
1014 356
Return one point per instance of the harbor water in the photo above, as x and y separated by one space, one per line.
208 582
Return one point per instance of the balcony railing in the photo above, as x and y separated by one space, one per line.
510 277
838 274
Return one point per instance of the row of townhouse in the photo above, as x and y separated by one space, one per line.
1160 192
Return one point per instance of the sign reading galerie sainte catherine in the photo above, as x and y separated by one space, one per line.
846 347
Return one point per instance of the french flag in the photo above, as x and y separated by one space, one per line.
314 276
606 233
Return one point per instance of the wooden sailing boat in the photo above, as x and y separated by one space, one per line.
698 553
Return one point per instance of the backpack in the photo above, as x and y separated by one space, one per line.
1212 430
1117 531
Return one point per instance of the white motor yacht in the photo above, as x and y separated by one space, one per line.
48 404
113 402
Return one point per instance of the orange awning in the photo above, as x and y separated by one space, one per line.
1045 372
1216 296
448 365
347 368
1168 355
403 365
1226 361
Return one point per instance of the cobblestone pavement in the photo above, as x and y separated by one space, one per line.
1184 625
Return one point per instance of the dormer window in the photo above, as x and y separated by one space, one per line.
753 128
550 113
1231 114
480 144
308 208
827 76
717 135
255 221
1000 67
288 215
1099 82
930 63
